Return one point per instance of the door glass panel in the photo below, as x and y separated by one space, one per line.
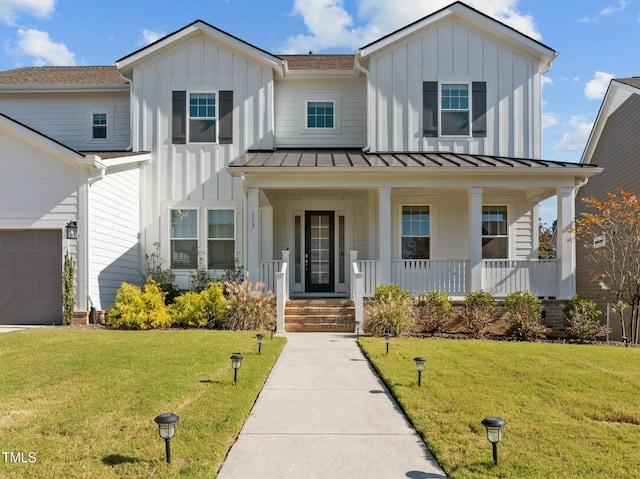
320 244
298 250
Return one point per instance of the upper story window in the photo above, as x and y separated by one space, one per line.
320 114
454 109
495 232
202 117
99 126
416 239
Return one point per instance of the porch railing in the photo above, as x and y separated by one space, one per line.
267 273
282 290
419 276
370 270
540 277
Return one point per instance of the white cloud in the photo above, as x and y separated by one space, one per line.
549 120
330 25
44 51
11 9
576 137
151 36
622 4
545 80
596 88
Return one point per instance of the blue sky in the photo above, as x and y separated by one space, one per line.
596 40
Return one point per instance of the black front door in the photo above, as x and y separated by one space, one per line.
319 251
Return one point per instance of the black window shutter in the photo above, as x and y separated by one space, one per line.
226 117
430 109
179 118
479 109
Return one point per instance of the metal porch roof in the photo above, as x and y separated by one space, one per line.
319 158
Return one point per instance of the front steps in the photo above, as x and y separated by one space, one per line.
319 316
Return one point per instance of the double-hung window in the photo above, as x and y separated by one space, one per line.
320 114
99 126
202 118
454 109
495 232
221 239
416 240
184 239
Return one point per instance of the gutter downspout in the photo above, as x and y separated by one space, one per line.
102 171
361 69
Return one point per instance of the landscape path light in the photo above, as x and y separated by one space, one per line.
357 329
260 337
236 362
494 427
419 367
272 328
167 428
387 340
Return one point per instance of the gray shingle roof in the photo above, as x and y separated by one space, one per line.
319 158
314 62
79 76
633 81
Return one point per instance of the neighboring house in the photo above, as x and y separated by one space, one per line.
415 160
614 144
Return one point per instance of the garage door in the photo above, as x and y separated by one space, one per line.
31 277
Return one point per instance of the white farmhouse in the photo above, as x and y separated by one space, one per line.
415 160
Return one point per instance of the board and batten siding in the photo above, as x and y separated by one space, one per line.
451 51
190 174
67 117
618 152
350 97
113 240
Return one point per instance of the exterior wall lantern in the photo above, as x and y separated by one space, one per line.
71 230
420 367
167 428
494 427
260 337
387 340
236 362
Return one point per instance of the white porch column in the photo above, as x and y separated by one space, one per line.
475 239
384 234
565 242
253 233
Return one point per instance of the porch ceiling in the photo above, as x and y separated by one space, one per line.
433 162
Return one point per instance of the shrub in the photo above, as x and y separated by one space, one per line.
526 312
199 310
477 311
580 317
139 309
390 311
68 296
154 272
433 310
248 308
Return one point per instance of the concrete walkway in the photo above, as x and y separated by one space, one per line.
324 413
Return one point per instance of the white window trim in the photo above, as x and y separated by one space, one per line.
430 236
440 109
335 98
235 234
216 92
509 234
108 125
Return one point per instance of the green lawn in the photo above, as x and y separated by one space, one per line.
573 411
81 403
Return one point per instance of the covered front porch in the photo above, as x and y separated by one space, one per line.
339 223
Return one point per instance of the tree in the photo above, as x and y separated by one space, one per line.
610 237
546 245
